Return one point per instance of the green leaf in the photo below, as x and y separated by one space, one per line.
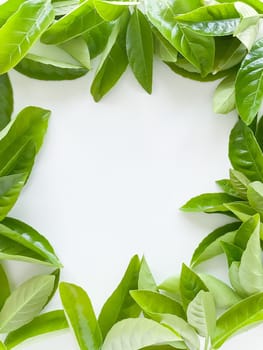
44 68
156 303
223 295
235 279
18 241
5 288
259 133
22 139
81 316
201 314
22 30
80 20
251 268
244 232
190 285
227 187
256 4
239 182
255 196
249 84
79 50
6 100
247 312
2 346
61 8
199 50
146 280
10 188
134 334
7 9
171 287
244 152
120 304
139 44
114 61
224 96
25 303
232 251
162 48
214 20
208 202
46 323
210 246
241 210
110 10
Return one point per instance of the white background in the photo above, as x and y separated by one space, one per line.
110 179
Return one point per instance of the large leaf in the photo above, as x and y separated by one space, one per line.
46 323
25 303
75 23
190 285
197 49
19 241
249 84
114 60
81 316
208 202
43 68
10 188
214 20
21 140
6 100
139 44
22 30
120 304
210 245
245 153
224 96
5 288
134 334
247 312
7 9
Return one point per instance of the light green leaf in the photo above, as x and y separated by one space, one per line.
171 288
247 312
226 186
239 182
232 251
214 20
120 304
5 288
134 334
110 10
6 100
7 9
210 246
80 20
245 153
223 295
249 84
224 96
61 8
46 323
146 279
242 210
235 280
245 231
2 346
139 44
162 48
25 303
43 68
79 50
255 196
208 202
81 316
22 30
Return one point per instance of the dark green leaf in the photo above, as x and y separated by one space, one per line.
249 84
120 304
6 100
190 285
139 44
208 202
22 30
81 316
45 323
43 68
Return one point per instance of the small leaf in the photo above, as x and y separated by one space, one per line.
6 100
32 18
239 182
235 279
249 84
227 187
232 251
210 246
242 210
120 304
190 285
208 202
255 196
46 323
171 287
81 316
163 49
247 312
245 231
5 288
224 96
25 303
139 44
134 334
146 279
78 49
245 153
